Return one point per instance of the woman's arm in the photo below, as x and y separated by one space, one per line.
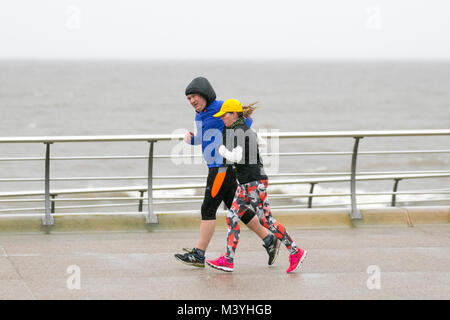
234 156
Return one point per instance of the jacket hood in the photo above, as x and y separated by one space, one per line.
201 85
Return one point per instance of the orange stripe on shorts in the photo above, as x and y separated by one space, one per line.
218 180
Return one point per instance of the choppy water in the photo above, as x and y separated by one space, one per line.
98 98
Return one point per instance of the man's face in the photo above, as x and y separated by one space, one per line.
197 101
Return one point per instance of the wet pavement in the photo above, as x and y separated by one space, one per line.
342 263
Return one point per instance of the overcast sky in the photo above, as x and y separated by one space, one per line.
145 29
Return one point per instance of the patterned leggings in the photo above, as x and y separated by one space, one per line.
253 196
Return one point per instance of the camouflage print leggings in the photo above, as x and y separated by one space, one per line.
253 197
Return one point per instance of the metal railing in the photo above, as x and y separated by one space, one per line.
50 195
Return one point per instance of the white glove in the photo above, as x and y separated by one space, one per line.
233 156
222 150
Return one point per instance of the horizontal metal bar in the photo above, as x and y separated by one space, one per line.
168 137
387 202
274 196
357 173
34 214
72 207
204 176
278 208
353 134
76 158
74 199
109 138
178 202
195 201
360 178
360 194
98 199
137 157
98 178
402 152
200 186
346 153
71 179
299 195
336 205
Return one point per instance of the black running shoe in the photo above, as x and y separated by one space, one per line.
191 259
272 250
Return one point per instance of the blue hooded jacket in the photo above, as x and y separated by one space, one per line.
209 129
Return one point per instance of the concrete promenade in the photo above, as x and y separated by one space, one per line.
367 262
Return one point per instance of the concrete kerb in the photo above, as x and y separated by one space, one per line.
307 218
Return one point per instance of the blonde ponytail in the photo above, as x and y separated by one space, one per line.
248 110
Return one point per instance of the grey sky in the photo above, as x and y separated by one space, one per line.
399 29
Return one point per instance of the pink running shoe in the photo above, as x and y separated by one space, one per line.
221 264
296 259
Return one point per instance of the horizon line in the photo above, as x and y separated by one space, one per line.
190 59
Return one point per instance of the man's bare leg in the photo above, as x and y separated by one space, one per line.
196 256
207 228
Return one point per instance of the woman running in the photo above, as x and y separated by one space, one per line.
250 203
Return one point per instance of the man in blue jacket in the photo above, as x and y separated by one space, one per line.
221 181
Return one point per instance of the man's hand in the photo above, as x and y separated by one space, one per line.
188 137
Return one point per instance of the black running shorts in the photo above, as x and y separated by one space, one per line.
220 186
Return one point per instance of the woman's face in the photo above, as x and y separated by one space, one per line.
229 118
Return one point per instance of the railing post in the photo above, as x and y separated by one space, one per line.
151 216
311 191
53 202
394 196
141 201
354 214
48 219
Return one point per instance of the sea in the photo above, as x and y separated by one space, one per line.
86 98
